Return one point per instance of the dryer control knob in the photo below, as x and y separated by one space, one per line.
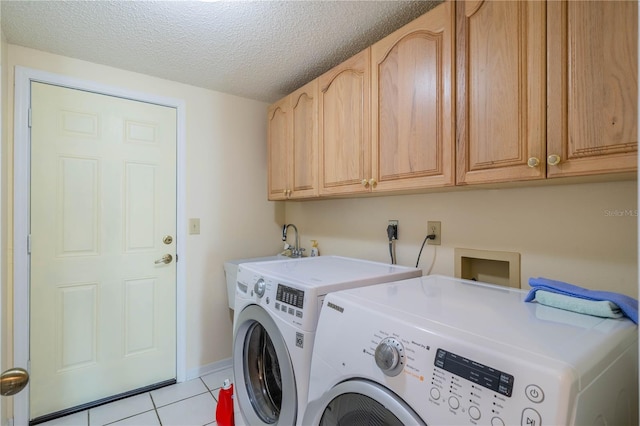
390 356
259 287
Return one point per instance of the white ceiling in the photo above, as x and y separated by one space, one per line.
260 50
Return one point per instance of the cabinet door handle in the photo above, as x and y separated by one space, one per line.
533 162
372 182
365 183
553 160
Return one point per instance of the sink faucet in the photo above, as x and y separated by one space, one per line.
297 251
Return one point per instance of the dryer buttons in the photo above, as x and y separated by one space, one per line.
534 393
390 357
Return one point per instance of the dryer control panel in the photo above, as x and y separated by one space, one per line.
447 376
460 384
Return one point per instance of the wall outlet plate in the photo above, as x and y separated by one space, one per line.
434 227
394 223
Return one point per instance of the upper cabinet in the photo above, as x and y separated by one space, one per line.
412 86
278 138
387 114
592 87
472 92
344 121
501 91
546 89
293 145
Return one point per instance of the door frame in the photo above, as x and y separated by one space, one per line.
21 212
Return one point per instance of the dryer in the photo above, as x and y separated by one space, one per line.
444 351
276 311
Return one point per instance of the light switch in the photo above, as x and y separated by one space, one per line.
194 226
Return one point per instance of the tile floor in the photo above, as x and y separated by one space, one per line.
191 403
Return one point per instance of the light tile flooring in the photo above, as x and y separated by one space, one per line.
191 403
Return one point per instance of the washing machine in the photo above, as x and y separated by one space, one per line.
444 351
275 317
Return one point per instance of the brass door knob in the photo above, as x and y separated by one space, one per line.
365 183
533 162
13 381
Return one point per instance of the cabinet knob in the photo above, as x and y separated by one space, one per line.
372 182
553 160
533 162
365 183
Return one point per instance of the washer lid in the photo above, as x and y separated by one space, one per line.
333 272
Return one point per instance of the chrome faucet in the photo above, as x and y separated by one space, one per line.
297 251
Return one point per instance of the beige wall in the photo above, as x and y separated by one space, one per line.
226 189
565 232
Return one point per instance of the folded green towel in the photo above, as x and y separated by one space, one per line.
599 308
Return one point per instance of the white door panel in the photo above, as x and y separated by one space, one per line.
103 197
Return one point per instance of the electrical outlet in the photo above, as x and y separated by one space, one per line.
434 227
394 224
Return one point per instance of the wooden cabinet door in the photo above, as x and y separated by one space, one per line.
592 86
278 141
345 144
304 141
501 90
412 104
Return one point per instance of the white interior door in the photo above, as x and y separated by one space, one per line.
103 199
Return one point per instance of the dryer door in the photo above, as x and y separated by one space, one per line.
360 402
264 380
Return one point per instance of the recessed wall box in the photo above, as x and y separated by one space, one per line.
494 267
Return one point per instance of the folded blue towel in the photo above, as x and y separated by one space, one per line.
598 308
628 305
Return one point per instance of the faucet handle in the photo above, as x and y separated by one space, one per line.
296 252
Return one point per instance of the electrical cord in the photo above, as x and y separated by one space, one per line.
392 234
428 237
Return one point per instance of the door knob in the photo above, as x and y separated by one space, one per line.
167 258
13 381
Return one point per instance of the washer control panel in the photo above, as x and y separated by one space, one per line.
284 300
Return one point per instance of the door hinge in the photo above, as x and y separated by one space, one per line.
29 244
29 117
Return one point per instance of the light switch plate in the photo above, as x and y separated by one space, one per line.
194 226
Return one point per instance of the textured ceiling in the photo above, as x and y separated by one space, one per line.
260 50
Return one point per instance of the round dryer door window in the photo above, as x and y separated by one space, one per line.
262 371
354 409
265 383
360 402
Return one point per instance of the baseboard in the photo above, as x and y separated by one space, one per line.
209 368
